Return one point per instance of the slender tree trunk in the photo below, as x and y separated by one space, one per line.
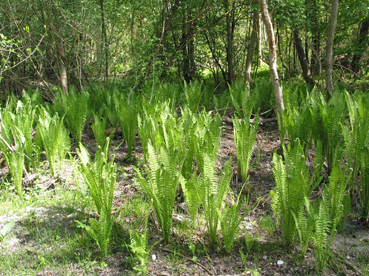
302 58
229 23
60 55
362 45
105 40
272 57
329 50
315 33
252 45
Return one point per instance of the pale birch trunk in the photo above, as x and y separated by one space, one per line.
277 89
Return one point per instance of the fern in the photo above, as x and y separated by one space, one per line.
24 120
356 135
212 193
192 95
364 193
100 178
99 128
76 109
332 114
161 187
206 137
244 138
55 138
100 230
320 235
231 220
14 156
12 145
304 223
291 186
128 122
319 222
242 99
153 120
191 194
139 244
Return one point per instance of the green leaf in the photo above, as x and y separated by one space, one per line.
6 229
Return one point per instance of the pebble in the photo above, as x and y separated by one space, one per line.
280 262
153 256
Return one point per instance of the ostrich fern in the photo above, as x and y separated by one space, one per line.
161 186
100 178
291 187
244 138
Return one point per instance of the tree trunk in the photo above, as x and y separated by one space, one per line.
362 44
252 45
329 50
60 55
272 57
302 58
230 29
315 66
105 40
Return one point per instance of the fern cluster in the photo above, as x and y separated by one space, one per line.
161 187
54 136
356 135
100 178
128 122
242 99
244 139
291 187
192 95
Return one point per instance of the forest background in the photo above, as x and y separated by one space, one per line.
73 43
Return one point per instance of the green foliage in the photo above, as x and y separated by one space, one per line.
244 139
76 109
262 95
320 221
111 109
332 115
206 137
161 187
221 102
291 187
100 178
212 194
356 135
192 95
55 138
6 229
12 146
128 122
24 120
99 129
157 123
242 99
231 220
139 244
100 230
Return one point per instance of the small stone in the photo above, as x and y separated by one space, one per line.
153 256
280 262
265 257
